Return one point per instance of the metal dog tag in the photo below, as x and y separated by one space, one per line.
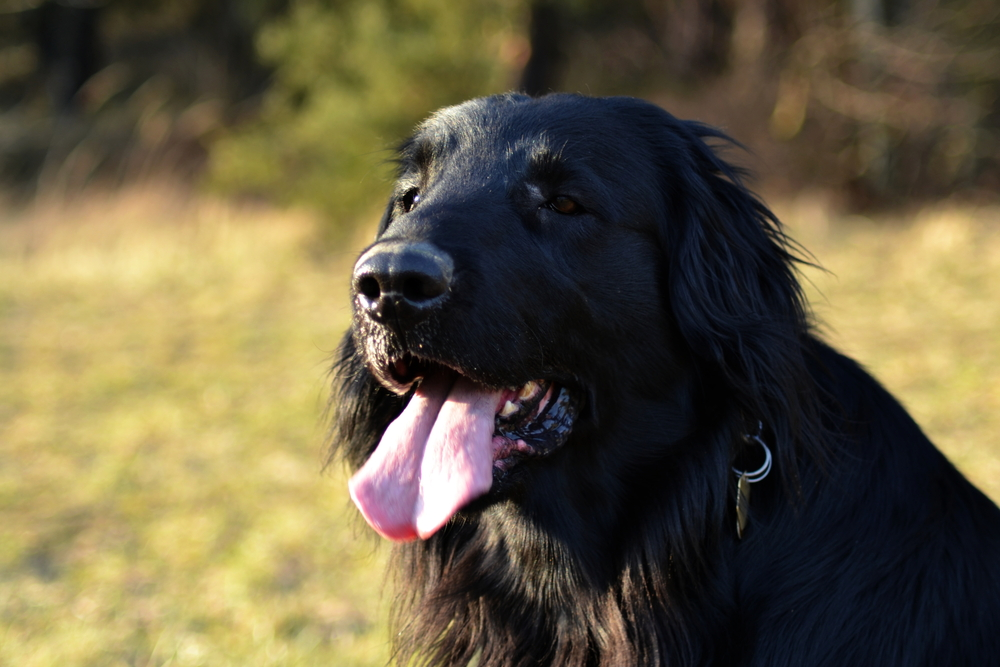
748 478
742 505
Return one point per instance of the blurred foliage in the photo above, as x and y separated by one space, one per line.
887 101
884 101
896 106
117 91
352 78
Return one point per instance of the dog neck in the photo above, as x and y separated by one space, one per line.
566 573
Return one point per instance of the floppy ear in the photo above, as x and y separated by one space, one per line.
733 290
360 407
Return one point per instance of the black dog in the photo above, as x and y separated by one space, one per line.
575 324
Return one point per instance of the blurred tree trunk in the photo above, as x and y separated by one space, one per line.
695 34
541 73
229 26
68 48
784 22
883 12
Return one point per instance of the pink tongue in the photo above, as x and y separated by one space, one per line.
433 459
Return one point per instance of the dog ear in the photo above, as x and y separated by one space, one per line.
733 290
360 408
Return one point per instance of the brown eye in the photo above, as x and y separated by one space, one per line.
565 205
409 200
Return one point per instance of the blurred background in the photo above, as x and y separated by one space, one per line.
184 185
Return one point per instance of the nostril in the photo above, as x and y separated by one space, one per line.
418 288
369 287
398 283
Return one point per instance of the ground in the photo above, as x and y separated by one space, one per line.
163 378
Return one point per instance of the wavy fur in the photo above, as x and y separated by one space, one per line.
675 302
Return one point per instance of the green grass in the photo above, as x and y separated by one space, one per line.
162 382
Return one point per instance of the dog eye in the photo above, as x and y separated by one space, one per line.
565 205
409 200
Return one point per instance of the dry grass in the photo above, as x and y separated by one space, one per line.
917 301
162 378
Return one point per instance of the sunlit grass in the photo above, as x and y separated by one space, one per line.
162 381
917 301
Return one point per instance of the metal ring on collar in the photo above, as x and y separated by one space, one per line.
761 472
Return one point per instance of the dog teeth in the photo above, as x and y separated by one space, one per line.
509 408
528 390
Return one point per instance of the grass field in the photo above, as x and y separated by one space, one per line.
162 382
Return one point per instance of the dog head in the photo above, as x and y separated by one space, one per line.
550 272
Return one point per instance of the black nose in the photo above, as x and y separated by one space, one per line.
398 283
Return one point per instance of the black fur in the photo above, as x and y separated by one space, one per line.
672 301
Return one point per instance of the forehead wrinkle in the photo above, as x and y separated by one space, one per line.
531 146
493 144
559 166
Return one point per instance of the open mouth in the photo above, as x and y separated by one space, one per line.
532 419
454 438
